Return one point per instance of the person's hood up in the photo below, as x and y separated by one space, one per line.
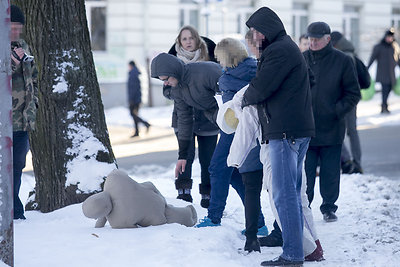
167 65
267 22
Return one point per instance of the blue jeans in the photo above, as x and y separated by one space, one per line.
20 149
220 177
287 162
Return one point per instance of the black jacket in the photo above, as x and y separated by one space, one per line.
281 87
201 125
384 54
196 89
335 93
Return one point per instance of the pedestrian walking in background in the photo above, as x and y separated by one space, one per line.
304 44
239 69
190 47
335 93
192 86
135 97
281 91
24 102
387 54
350 163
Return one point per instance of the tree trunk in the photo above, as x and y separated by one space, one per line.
70 146
6 177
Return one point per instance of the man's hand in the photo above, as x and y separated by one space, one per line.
180 167
20 53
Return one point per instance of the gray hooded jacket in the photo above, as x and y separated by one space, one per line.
196 89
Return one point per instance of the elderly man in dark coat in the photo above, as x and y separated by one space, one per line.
335 93
281 91
387 54
193 86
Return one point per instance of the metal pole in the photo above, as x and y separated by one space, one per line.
6 179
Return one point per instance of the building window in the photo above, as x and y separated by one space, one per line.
242 16
396 18
351 25
299 20
189 14
96 14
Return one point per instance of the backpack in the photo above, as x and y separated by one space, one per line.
364 79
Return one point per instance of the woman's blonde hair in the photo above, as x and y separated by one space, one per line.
230 52
200 44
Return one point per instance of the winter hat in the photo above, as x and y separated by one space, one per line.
17 15
335 37
389 32
318 29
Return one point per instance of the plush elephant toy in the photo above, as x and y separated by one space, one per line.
125 203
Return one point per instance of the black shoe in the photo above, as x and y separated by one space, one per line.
274 239
135 134
147 127
347 167
252 245
281 262
19 217
357 168
185 197
330 216
205 202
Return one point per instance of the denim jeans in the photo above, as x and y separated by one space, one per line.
221 176
286 163
20 149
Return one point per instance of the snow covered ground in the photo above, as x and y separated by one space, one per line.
366 234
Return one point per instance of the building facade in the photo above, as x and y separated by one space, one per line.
124 30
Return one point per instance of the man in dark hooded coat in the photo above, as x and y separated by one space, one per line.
193 86
281 91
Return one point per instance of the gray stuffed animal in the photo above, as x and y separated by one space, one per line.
126 203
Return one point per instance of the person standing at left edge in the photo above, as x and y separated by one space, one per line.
281 91
24 102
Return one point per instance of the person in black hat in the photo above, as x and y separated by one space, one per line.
334 93
387 55
24 99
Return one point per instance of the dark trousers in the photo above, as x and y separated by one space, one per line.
206 147
352 133
329 174
386 88
252 206
20 149
134 110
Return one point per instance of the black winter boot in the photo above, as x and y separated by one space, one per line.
274 239
205 190
252 245
184 186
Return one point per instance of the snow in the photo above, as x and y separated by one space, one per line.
366 234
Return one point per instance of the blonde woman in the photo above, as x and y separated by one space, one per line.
190 48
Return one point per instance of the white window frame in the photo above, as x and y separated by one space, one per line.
297 14
243 14
395 19
347 17
186 8
88 6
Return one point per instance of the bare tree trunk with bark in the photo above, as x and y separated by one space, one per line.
70 146
6 178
